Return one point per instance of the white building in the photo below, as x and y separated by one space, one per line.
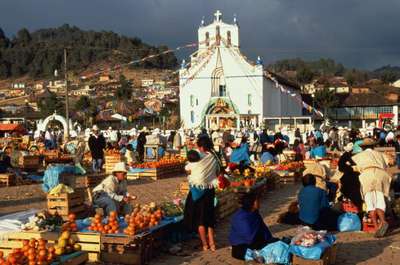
222 89
396 83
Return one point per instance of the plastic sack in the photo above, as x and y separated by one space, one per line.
51 176
275 253
349 222
315 252
306 237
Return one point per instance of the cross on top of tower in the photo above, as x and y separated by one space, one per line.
218 15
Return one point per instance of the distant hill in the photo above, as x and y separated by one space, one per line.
40 52
300 71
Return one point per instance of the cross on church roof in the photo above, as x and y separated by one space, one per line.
218 15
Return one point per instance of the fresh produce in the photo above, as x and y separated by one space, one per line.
33 252
70 225
162 163
290 166
110 227
43 221
172 209
66 244
143 218
309 239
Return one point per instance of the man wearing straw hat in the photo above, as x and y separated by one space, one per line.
375 183
111 194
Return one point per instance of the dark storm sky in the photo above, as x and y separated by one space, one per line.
358 33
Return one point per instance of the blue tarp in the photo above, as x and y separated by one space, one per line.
276 253
51 175
315 252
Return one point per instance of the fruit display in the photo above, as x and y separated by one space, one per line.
171 209
112 152
290 166
70 225
162 163
111 226
143 217
33 252
245 182
42 221
66 244
262 171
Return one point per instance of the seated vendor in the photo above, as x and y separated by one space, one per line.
111 194
269 156
319 151
314 210
248 230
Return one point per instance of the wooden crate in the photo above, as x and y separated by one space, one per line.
110 161
162 173
89 180
7 179
130 250
76 258
29 162
90 242
227 204
66 203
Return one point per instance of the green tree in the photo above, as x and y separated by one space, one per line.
47 105
86 108
350 78
388 76
124 92
304 75
325 99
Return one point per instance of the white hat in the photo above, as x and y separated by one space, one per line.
73 134
110 128
348 147
119 167
95 128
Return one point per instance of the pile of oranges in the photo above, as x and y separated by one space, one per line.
33 252
162 163
70 225
138 221
111 227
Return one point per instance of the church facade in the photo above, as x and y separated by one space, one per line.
221 88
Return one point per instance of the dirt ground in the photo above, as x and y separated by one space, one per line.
353 248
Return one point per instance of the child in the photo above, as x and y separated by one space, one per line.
193 157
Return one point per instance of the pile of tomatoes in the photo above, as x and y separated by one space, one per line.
33 252
140 220
70 225
111 227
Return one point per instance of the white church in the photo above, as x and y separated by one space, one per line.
221 88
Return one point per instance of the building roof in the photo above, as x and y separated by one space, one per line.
364 100
11 127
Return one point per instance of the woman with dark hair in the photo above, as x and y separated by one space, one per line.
248 230
199 212
314 209
319 151
350 184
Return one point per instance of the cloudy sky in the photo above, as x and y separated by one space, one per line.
358 33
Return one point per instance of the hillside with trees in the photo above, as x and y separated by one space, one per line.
40 52
302 72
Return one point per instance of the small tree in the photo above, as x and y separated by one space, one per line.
86 107
325 99
304 75
124 92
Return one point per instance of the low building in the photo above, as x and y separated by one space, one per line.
147 82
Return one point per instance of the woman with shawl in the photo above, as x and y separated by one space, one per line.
248 230
199 212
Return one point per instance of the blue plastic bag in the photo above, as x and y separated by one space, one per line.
315 252
51 176
276 253
349 222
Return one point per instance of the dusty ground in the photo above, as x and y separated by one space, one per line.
354 248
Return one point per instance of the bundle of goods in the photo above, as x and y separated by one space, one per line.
172 209
262 171
312 245
348 206
42 221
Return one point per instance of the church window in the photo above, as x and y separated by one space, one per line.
228 37
191 100
249 99
217 35
222 90
192 116
207 39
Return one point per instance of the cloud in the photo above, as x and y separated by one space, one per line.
358 33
